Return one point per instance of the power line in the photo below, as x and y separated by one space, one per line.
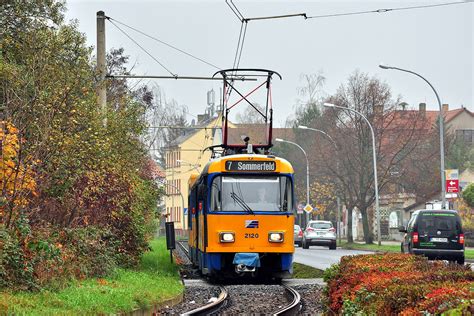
181 127
387 10
172 74
164 43
242 46
235 10
284 16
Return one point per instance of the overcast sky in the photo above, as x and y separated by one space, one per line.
435 42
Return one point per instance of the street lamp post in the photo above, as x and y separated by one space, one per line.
338 201
374 156
441 130
307 170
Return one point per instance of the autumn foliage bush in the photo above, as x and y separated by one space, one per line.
76 200
389 284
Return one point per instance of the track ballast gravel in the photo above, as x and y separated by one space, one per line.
194 297
246 299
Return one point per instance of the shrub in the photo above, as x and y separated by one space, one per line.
468 195
396 283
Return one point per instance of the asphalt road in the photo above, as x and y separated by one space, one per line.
321 257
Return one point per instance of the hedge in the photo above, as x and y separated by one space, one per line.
387 284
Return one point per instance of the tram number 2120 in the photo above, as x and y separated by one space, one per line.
252 235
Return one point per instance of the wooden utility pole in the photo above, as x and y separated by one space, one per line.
101 65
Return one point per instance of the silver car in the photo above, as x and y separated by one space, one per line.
298 235
319 233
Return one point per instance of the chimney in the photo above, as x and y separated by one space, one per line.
445 108
422 108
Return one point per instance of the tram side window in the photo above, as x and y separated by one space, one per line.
216 204
285 195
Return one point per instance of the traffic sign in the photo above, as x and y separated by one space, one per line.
452 174
308 208
452 186
299 209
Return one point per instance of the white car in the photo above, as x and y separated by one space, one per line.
319 233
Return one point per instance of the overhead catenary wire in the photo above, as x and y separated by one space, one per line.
164 43
234 9
385 10
242 45
142 48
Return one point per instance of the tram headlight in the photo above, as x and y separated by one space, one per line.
226 237
275 237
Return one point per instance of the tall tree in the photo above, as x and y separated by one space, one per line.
250 115
397 135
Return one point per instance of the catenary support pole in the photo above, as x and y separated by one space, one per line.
101 64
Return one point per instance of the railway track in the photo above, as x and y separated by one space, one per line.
227 304
212 307
183 245
238 298
294 307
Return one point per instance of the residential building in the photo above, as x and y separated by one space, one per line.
187 155
398 207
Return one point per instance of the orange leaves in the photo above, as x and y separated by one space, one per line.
17 179
101 281
322 195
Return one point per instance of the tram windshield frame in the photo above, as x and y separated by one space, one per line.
252 193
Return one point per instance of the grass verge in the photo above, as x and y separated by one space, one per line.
154 281
372 247
469 253
301 271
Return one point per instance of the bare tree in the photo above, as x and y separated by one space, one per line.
165 119
397 134
250 115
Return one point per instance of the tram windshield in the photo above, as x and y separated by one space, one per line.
251 193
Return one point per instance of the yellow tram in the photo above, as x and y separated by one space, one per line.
241 216
241 206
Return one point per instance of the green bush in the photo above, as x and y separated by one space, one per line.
468 195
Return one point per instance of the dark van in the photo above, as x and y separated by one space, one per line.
437 234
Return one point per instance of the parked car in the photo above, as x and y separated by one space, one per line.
319 233
436 234
298 235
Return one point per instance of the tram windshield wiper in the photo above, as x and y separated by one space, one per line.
241 202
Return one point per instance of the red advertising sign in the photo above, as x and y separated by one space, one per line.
452 186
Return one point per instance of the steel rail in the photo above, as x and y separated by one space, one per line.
186 250
211 307
294 307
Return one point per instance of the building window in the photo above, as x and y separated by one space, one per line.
393 219
465 135
178 214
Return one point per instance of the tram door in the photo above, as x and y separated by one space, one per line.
193 224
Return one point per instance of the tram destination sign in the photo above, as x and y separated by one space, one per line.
250 166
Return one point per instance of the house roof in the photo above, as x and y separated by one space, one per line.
257 133
432 116
192 130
